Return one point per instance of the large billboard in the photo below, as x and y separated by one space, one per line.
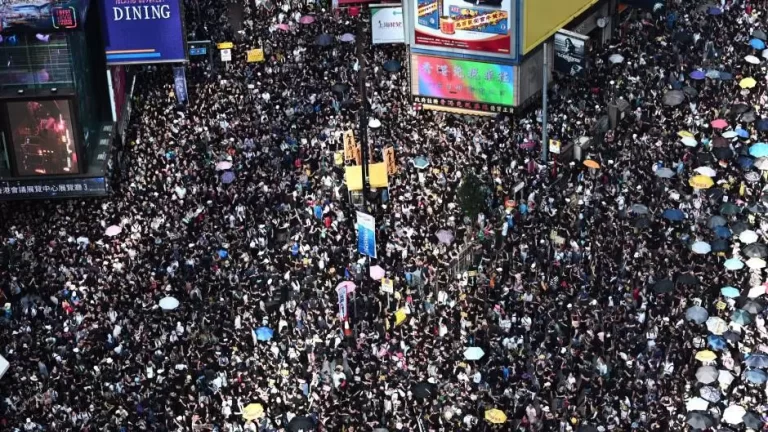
41 15
460 83
387 24
43 137
478 27
141 31
541 19
571 53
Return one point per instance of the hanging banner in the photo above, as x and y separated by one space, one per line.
387 24
366 234
389 160
180 85
349 145
570 53
341 291
255 55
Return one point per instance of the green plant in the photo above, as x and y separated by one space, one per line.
472 196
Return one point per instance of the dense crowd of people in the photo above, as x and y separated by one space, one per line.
620 292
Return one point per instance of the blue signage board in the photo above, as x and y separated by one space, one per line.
366 234
198 51
43 16
141 32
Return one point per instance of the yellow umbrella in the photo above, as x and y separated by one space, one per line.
701 182
253 411
400 316
591 164
495 416
747 83
684 134
705 356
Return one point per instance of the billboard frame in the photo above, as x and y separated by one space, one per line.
184 41
516 23
373 7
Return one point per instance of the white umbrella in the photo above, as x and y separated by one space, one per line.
756 263
733 414
689 141
701 248
765 53
705 170
113 231
725 378
616 58
474 353
168 303
761 164
752 59
710 393
717 325
756 291
223 165
697 404
748 237
730 134
4 366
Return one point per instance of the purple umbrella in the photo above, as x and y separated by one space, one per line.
528 145
715 11
698 75
228 177
347 37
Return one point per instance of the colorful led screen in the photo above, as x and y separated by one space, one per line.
463 80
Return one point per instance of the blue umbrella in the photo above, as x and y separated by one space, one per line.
717 343
719 245
673 215
722 232
762 125
698 75
223 254
347 37
759 150
729 292
420 162
264 333
746 162
324 40
741 317
228 177
742 133
756 376
714 11
696 314
757 44
759 361
726 76
734 264
392 66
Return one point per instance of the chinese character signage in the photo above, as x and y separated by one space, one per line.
387 24
137 31
465 84
480 28
42 15
366 234
50 188
570 53
180 85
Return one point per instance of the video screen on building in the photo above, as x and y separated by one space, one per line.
42 134
35 60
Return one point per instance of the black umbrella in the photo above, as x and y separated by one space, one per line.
720 142
301 423
699 420
674 98
720 245
340 88
641 222
732 336
740 108
752 421
759 34
392 66
739 227
423 390
753 306
690 91
687 279
704 158
722 153
756 250
758 208
748 117
663 286
324 40
683 37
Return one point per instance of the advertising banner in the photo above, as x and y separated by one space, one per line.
466 84
387 24
42 15
254 55
50 188
366 234
570 53
341 292
119 79
137 31
480 28
541 19
180 85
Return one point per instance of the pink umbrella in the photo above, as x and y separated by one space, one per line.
377 273
223 165
349 285
113 231
307 19
283 27
719 124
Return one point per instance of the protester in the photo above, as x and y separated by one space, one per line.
610 298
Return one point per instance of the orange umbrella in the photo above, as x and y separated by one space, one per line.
589 163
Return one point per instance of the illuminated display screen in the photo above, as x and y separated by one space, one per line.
42 135
41 15
463 83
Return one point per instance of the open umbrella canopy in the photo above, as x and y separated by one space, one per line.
720 245
756 376
420 162
748 237
616 58
264 334
755 263
707 374
739 227
755 250
347 37
228 177
758 361
729 292
307 19
717 343
377 272
719 124
741 317
445 236
733 414
730 134
701 182
474 353
748 83
168 303
752 420
734 264
756 291
495 416
253 411
759 150
663 286
729 209
423 390
757 44
709 393
392 66
113 231
696 314
759 34
752 59
716 325
689 142
665 173
674 98
698 74
697 403
301 424
324 40
639 209
716 221
701 248
675 215
591 164
699 420
753 306
707 171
